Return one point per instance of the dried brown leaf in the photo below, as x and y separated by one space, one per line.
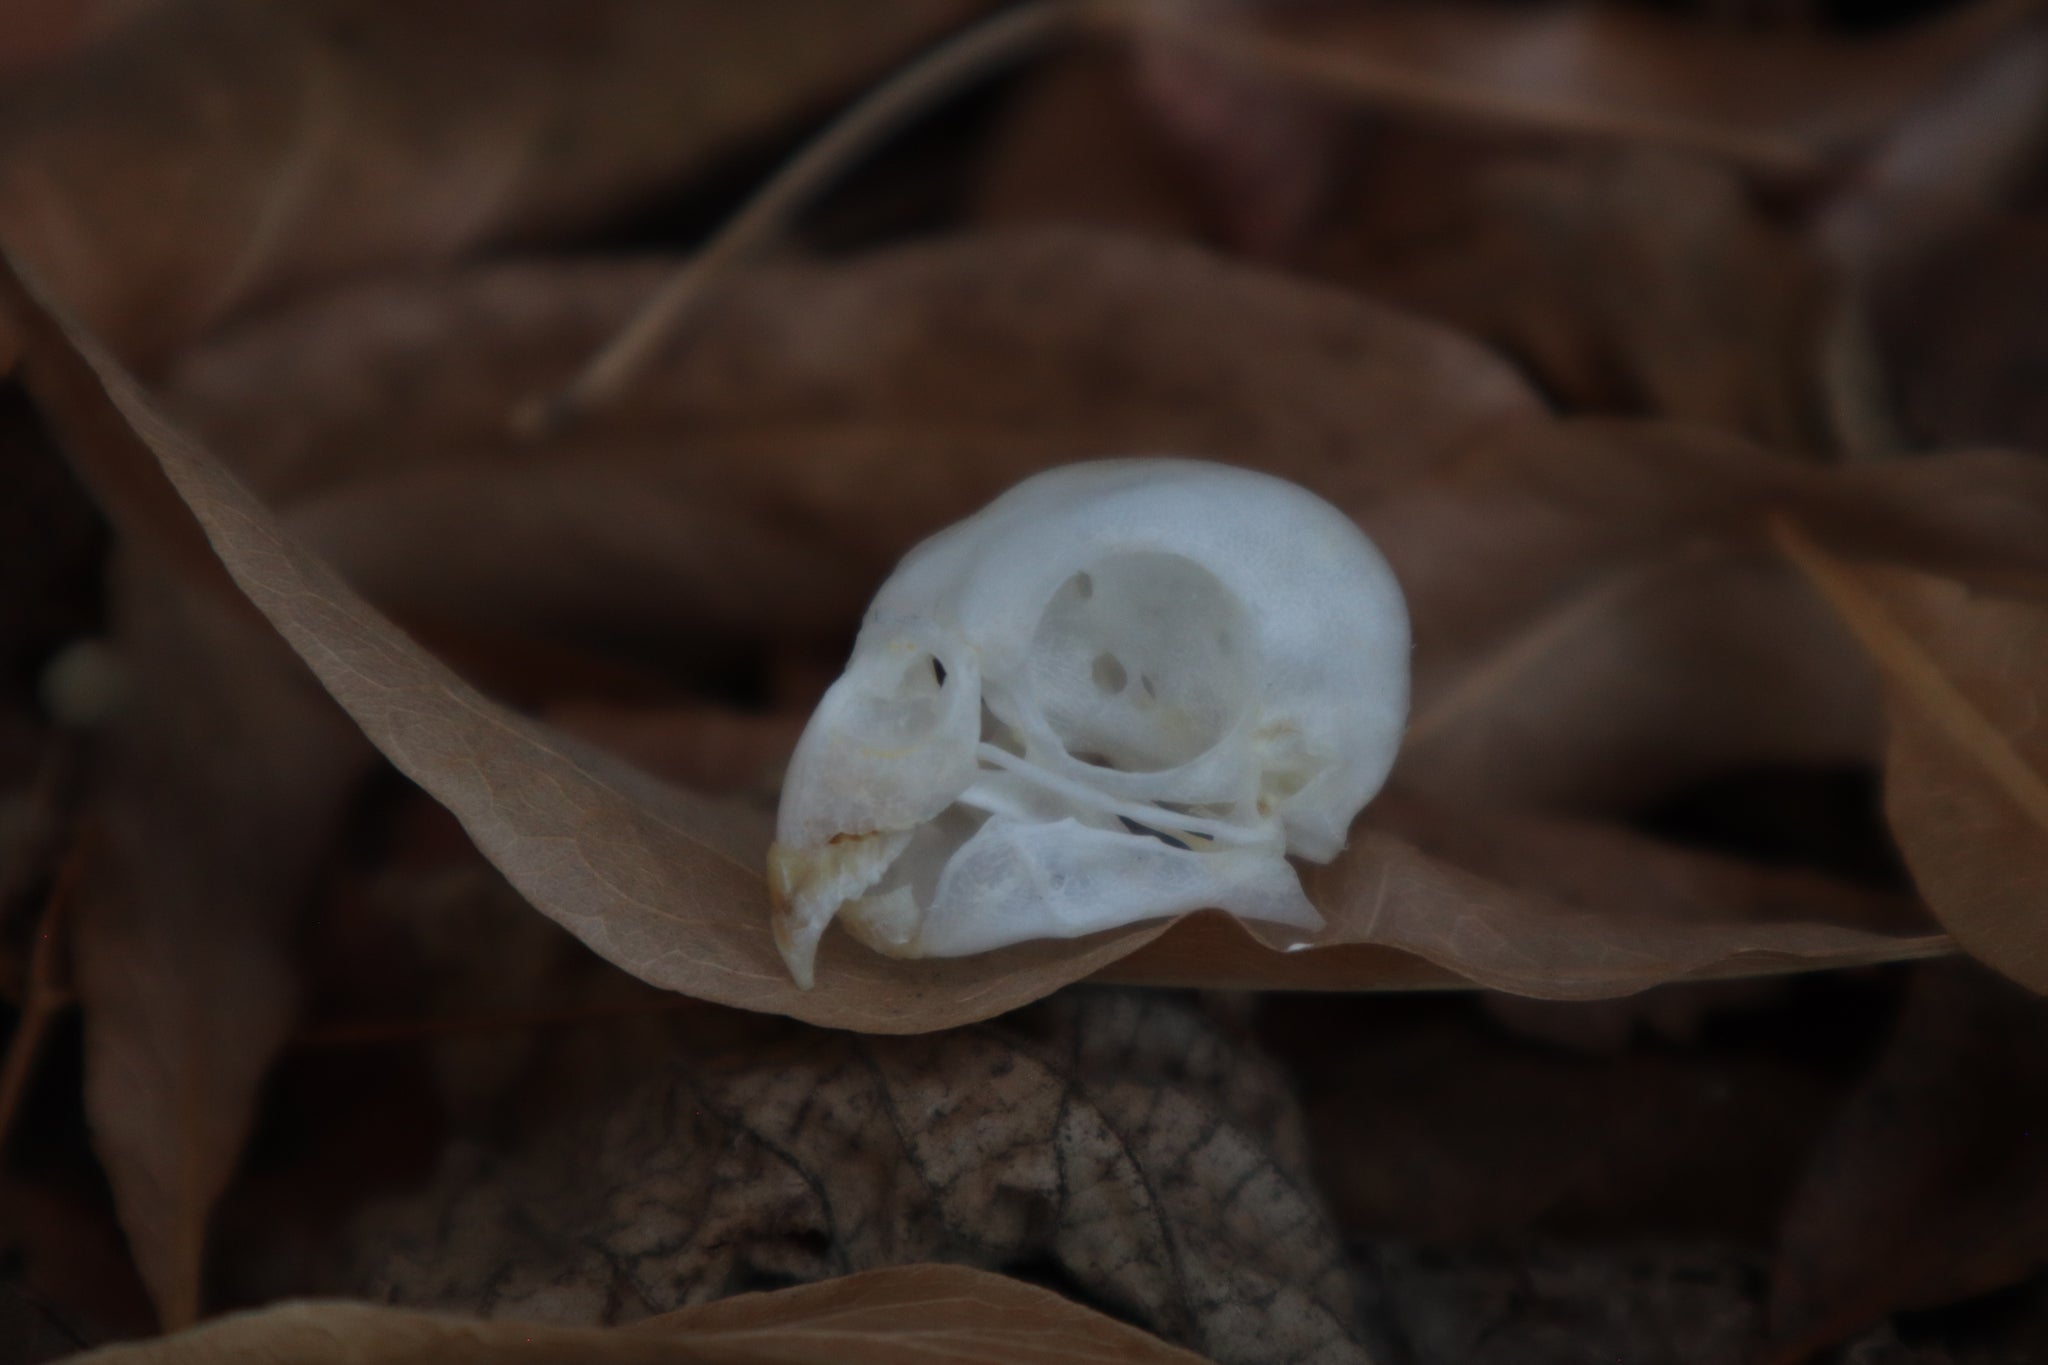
705 748
1966 770
973 360
379 417
916 1314
218 792
1929 1188
216 151
1158 1161
665 884
1598 622
1540 906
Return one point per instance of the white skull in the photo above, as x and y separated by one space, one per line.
1122 690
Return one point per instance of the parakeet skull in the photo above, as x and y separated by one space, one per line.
1122 690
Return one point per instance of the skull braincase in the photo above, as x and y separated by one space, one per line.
1123 690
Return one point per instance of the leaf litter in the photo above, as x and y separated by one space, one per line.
1370 251
472 755
211 153
1122 1137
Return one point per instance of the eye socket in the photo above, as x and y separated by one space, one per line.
1137 662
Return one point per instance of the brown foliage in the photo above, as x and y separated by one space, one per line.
211 823
214 152
1928 1188
1965 789
908 1313
1122 1137
1616 330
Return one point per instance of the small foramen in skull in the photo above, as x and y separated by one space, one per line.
1123 690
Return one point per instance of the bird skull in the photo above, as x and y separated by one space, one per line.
1123 690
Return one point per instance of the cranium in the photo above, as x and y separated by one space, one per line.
1122 690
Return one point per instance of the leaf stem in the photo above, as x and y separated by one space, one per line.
968 56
